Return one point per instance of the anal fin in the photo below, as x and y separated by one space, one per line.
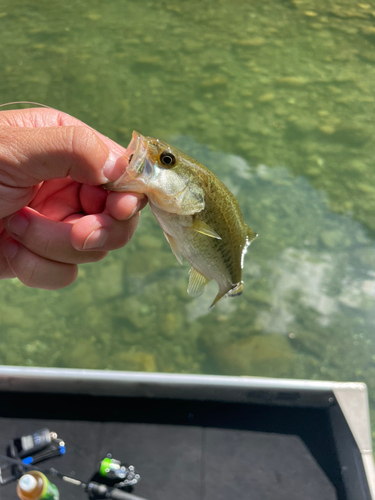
197 282
174 248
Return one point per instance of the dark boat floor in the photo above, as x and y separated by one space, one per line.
183 450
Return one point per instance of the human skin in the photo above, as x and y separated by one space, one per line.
54 214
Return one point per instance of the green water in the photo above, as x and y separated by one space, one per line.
275 97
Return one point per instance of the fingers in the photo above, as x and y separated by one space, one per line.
43 253
78 240
5 271
32 155
102 232
123 205
92 199
49 117
47 238
38 145
35 271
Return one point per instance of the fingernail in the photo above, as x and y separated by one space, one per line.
135 210
10 248
96 239
17 224
114 166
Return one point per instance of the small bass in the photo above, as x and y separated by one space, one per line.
200 217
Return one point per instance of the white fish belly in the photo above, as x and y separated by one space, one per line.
197 248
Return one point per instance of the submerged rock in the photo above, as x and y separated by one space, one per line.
293 81
134 361
250 42
267 97
263 355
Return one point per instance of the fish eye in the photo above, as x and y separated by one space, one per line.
167 158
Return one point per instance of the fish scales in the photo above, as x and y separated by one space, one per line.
223 214
200 217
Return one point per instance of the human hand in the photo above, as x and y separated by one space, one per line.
53 212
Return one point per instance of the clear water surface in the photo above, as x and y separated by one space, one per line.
277 98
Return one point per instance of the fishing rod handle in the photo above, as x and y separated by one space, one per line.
103 491
122 495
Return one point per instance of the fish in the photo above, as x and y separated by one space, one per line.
201 219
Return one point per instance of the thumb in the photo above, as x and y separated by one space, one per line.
29 156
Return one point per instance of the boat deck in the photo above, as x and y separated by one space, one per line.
185 450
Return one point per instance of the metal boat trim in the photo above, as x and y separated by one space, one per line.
351 397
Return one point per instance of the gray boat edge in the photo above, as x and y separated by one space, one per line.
351 396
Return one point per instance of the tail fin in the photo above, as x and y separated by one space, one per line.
233 292
250 234
236 290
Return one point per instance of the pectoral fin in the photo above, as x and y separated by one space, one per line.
201 227
174 248
197 282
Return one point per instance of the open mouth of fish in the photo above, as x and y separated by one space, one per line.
140 162
137 152
140 166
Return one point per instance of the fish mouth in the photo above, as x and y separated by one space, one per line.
140 161
140 169
136 152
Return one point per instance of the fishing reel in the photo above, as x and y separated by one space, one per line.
113 474
30 449
118 474
113 479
